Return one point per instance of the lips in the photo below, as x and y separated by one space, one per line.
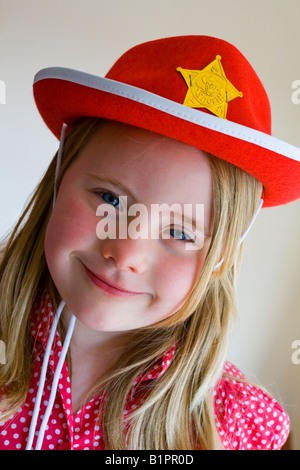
108 287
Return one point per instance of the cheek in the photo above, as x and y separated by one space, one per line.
70 227
178 276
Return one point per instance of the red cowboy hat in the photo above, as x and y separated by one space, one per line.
196 89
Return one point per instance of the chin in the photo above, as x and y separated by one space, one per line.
94 319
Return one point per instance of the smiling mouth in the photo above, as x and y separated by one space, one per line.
105 286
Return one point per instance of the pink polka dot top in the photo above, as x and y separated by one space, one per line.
247 418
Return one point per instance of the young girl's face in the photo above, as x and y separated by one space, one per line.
156 273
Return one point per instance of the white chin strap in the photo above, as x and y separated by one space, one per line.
244 234
65 348
59 157
54 383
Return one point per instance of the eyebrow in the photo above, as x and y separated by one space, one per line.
123 188
115 182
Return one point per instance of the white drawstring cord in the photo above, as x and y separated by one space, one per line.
43 378
59 157
244 234
55 383
252 221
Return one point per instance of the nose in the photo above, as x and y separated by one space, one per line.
127 254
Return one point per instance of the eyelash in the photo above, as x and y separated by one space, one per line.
101 194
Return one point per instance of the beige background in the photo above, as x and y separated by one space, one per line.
90 35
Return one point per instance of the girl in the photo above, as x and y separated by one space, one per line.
119 341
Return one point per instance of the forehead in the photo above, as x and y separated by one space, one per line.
152 166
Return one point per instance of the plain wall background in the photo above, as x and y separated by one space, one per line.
90 36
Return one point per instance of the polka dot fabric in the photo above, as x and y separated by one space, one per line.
246 417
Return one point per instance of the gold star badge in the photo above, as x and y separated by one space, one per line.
209 88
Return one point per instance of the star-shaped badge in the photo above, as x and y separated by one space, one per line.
209 88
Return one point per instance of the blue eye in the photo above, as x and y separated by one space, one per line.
110 198
179 235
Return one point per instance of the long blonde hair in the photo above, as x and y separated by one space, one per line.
177 411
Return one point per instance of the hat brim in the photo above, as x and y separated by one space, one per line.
64 95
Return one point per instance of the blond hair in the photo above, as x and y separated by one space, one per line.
177 411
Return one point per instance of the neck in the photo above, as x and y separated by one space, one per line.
90 343
93 354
